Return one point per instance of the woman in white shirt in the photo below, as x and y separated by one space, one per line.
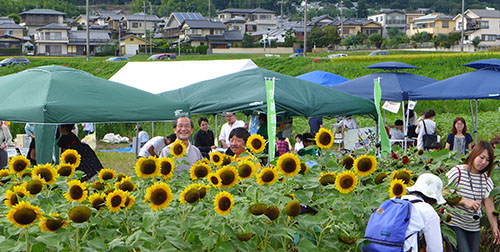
5 139
298 143
430 127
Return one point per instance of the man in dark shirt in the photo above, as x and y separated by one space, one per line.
314 124
204 138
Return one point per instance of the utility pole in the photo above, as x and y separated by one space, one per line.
88 35
462 36
209 9
281 15
119 38
145 33
305 28
150 39
341 19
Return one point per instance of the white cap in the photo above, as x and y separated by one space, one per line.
429 185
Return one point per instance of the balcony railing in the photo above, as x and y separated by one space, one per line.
43 37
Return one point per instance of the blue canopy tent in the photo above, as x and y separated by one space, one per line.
479 84
324 78
395 85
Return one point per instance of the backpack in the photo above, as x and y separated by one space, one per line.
386 229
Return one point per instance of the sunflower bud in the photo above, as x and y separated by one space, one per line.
347 239
327 179
380 178
120 176
258 209
272 212
244 236
192 196
420 152
79 214
453 199
293 208
34 187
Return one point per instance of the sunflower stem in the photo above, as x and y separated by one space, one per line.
265 238
27 234
77 237
126 223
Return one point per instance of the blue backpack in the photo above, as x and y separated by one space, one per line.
386 229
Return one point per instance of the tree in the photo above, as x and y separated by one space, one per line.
375 39
289 39
324 36
15 17
362 10
248 41
476 41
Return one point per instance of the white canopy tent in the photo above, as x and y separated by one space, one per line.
161 76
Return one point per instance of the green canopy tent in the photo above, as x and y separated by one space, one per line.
246 90
52 95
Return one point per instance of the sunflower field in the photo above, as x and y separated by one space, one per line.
312 203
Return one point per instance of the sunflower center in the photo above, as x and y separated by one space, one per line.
159 196
192 196
13 200
214 180
98 185
201 171
268 176
126 186
327 179
227 177
65 171
289 165
404 176
19 165
178 149
364 165
256 144
97 203
397 189
25 216
76 192
346 182
325 138
148 167
45 174
226 160
54 225
224 203
116 201
79 214
348 162
107 175
166 168
34 187
245 171
70 159
203 192
216 158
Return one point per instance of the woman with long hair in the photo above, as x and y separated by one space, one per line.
459 140
474 186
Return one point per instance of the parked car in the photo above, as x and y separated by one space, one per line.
294 55
339 55
163 56
14 61
374 53
116 59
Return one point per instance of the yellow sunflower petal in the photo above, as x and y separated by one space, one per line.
24 214
256 143
365 165
346 182
324 138
288 164
223 203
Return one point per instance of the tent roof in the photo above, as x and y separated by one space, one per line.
161 76
479 64
324 78
395 85
246 90
57 94
391 65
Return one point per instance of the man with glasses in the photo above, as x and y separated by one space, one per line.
183 128
226 129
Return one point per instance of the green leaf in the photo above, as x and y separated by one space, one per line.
303 196
50 239
38 247
306 245
148 220
449 235
224 246
97 243
116 243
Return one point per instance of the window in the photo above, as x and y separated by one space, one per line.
460 25
445 24
135 25
487 37
431 25
9 32
484 25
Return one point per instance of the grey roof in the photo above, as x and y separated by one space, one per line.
389 11
352 21
205 24
42 12
10 26
236 10
235 20
93 34
315 20
6 20
140 17
182 16
116 17
53 27
486 13
432 17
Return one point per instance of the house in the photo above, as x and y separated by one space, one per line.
172 28
130 44
351 26
409 17
390 19
209 33
11 29
51 40
482 23
36 18
257 20
134 24
435 23
77 42
321 20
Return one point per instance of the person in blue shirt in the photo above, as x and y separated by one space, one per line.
459 140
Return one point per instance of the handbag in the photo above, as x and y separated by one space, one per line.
428 139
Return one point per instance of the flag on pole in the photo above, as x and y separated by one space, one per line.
271 116
384 138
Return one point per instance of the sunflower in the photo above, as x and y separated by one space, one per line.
365 165
4 173
216 158
346 181
66 170
327 178
228 176
19 164
324 138
126 184
303 168
107 174
397 188
77 191
178 149
226 159
160 195
190 194
288 164
166 168
380 177
267 176
99 185
97 200
256 143
71 156
35 186
258 209
203 161
116 199
223 203
147 167
23 214
129 202
120 176
246 169
347 162
199 171
11 196
53 224
213 179
79 214
404 175
272 212
47 172
293 208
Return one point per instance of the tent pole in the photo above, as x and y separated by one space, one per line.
383 110
152 128
472 119
216 132
136 150
405 125
95 132
475 125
